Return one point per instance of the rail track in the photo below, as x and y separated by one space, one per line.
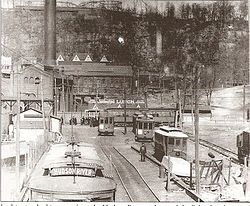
221 150
135 186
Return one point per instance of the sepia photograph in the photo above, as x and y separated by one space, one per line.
121 101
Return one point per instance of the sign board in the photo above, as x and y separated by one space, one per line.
95 107
104 59
138 106
70 171
60 58
76 59
88 59
119 106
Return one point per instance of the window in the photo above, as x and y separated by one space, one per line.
145 125
140 125
106 120
31 80
240 140
110 120
171 141
177 142
184 143
26 81
37 80
150 126
101 121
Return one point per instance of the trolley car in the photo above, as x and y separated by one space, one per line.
69 174
170 141
143 127
106 124
243 145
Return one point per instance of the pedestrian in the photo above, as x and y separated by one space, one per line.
143 151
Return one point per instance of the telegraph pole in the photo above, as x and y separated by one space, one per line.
125 109
0 81
196 132
43 113
17 169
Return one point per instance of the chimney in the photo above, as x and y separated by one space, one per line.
50 32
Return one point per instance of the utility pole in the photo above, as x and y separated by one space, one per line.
125 109
196 122
244 102
43 113
0 83
180 112
17 169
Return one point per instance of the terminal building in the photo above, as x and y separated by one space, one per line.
83 79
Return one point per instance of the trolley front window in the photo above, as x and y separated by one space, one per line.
177 142
184 143
171 141
145 125
101 121
140 125
240 140
106 120
111 120
150 126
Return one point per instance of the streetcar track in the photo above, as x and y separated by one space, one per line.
132 181
223 151
117 172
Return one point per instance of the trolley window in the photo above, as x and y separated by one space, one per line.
177 142
150 126
140 125
171 141
110 120
240 140
184 143
145 125
106 120
101 121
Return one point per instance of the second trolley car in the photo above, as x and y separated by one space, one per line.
71 174
143 127
170 141
106 124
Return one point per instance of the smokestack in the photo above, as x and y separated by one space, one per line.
50 32
158 41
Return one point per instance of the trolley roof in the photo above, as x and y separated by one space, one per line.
63 185
56 156
167 131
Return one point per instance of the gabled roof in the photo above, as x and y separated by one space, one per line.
38 67
38 111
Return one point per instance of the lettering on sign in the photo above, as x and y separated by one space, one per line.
118 101
70 171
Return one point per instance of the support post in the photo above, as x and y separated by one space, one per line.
244 102
125 109
0 81
196 122
63 98
191 176
180 112
18 140
43 113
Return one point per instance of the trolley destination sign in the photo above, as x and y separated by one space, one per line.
70 171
